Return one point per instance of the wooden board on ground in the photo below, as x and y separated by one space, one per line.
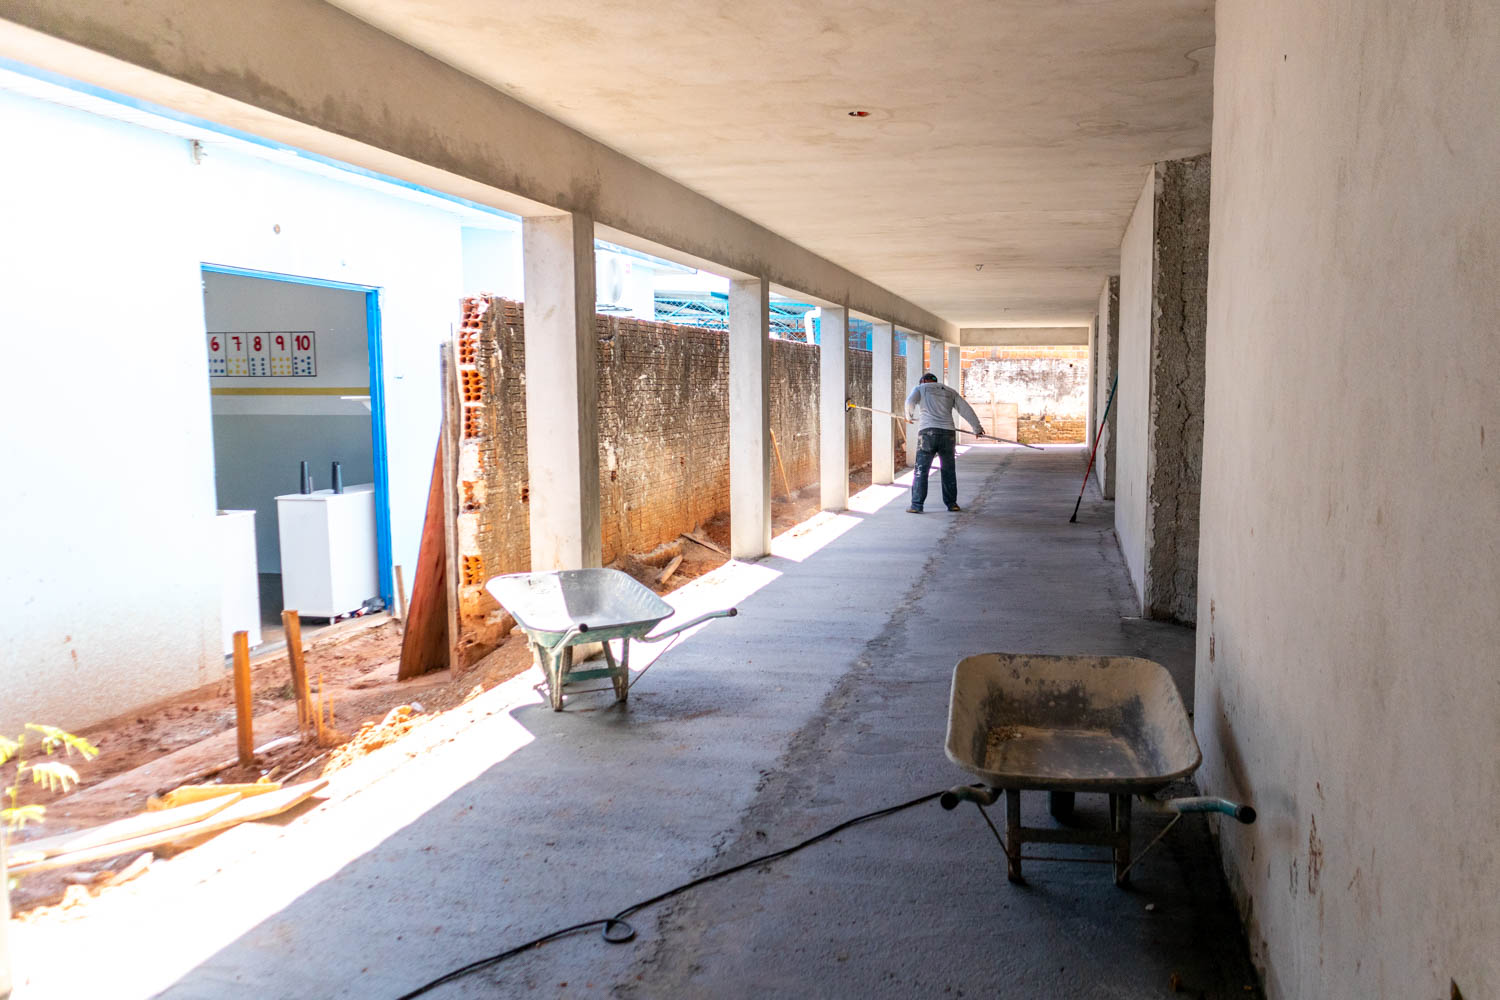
239 811
20 855
424 643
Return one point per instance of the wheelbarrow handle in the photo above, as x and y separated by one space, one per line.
1202 804
982 794
729 613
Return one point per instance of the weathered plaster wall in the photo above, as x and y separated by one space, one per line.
1348 677
1163 288
1179 319
1132 399
1108 364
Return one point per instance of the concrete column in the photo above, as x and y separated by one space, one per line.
833 415
1108 366
882 431
954 377
1163 320
914 369
749 419
562 395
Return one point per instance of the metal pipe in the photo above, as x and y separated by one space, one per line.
306 478
338 477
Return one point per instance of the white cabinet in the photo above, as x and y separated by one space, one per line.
240 580
328 562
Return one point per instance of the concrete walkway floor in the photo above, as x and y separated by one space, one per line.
826 698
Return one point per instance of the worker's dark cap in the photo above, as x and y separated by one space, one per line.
928 377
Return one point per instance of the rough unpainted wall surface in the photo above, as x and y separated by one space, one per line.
663 439
1108 354
1179 320
1348 673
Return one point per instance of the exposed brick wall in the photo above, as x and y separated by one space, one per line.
663 439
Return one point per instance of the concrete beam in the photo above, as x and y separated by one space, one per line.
882 430
1024 336
914 369
305 73
953 374
833 415
749 418
562 393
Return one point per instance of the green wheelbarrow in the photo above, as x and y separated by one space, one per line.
561 610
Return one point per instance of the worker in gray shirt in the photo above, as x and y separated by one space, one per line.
936 435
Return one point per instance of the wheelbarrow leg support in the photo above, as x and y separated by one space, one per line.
1119 815
621 676
1013 835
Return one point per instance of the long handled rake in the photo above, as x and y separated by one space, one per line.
1105 416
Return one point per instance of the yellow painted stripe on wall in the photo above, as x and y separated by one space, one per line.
294 390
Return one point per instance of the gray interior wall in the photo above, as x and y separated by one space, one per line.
1132 472
1348 675
260 440
257 459
1108 352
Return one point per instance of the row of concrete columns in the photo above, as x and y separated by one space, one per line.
562 437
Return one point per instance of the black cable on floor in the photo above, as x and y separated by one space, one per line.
617 930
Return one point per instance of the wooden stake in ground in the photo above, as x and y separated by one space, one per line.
242 704
786 485
400 596
292 622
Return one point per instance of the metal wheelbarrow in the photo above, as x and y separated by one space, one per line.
568 608
1067 724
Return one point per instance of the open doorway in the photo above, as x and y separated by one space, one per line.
295 377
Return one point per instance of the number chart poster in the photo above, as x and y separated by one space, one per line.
273 354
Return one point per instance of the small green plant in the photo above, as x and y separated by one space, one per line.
53 775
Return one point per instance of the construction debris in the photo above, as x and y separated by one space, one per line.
124 837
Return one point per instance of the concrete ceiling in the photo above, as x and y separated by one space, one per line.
1011 133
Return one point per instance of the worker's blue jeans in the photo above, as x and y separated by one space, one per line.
939 442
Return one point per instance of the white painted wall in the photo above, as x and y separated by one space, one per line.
104 389
105 504
1132 398
1348 677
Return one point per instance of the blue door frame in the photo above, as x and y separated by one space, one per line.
371 293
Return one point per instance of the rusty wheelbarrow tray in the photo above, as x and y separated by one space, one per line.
1066 724
567 608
